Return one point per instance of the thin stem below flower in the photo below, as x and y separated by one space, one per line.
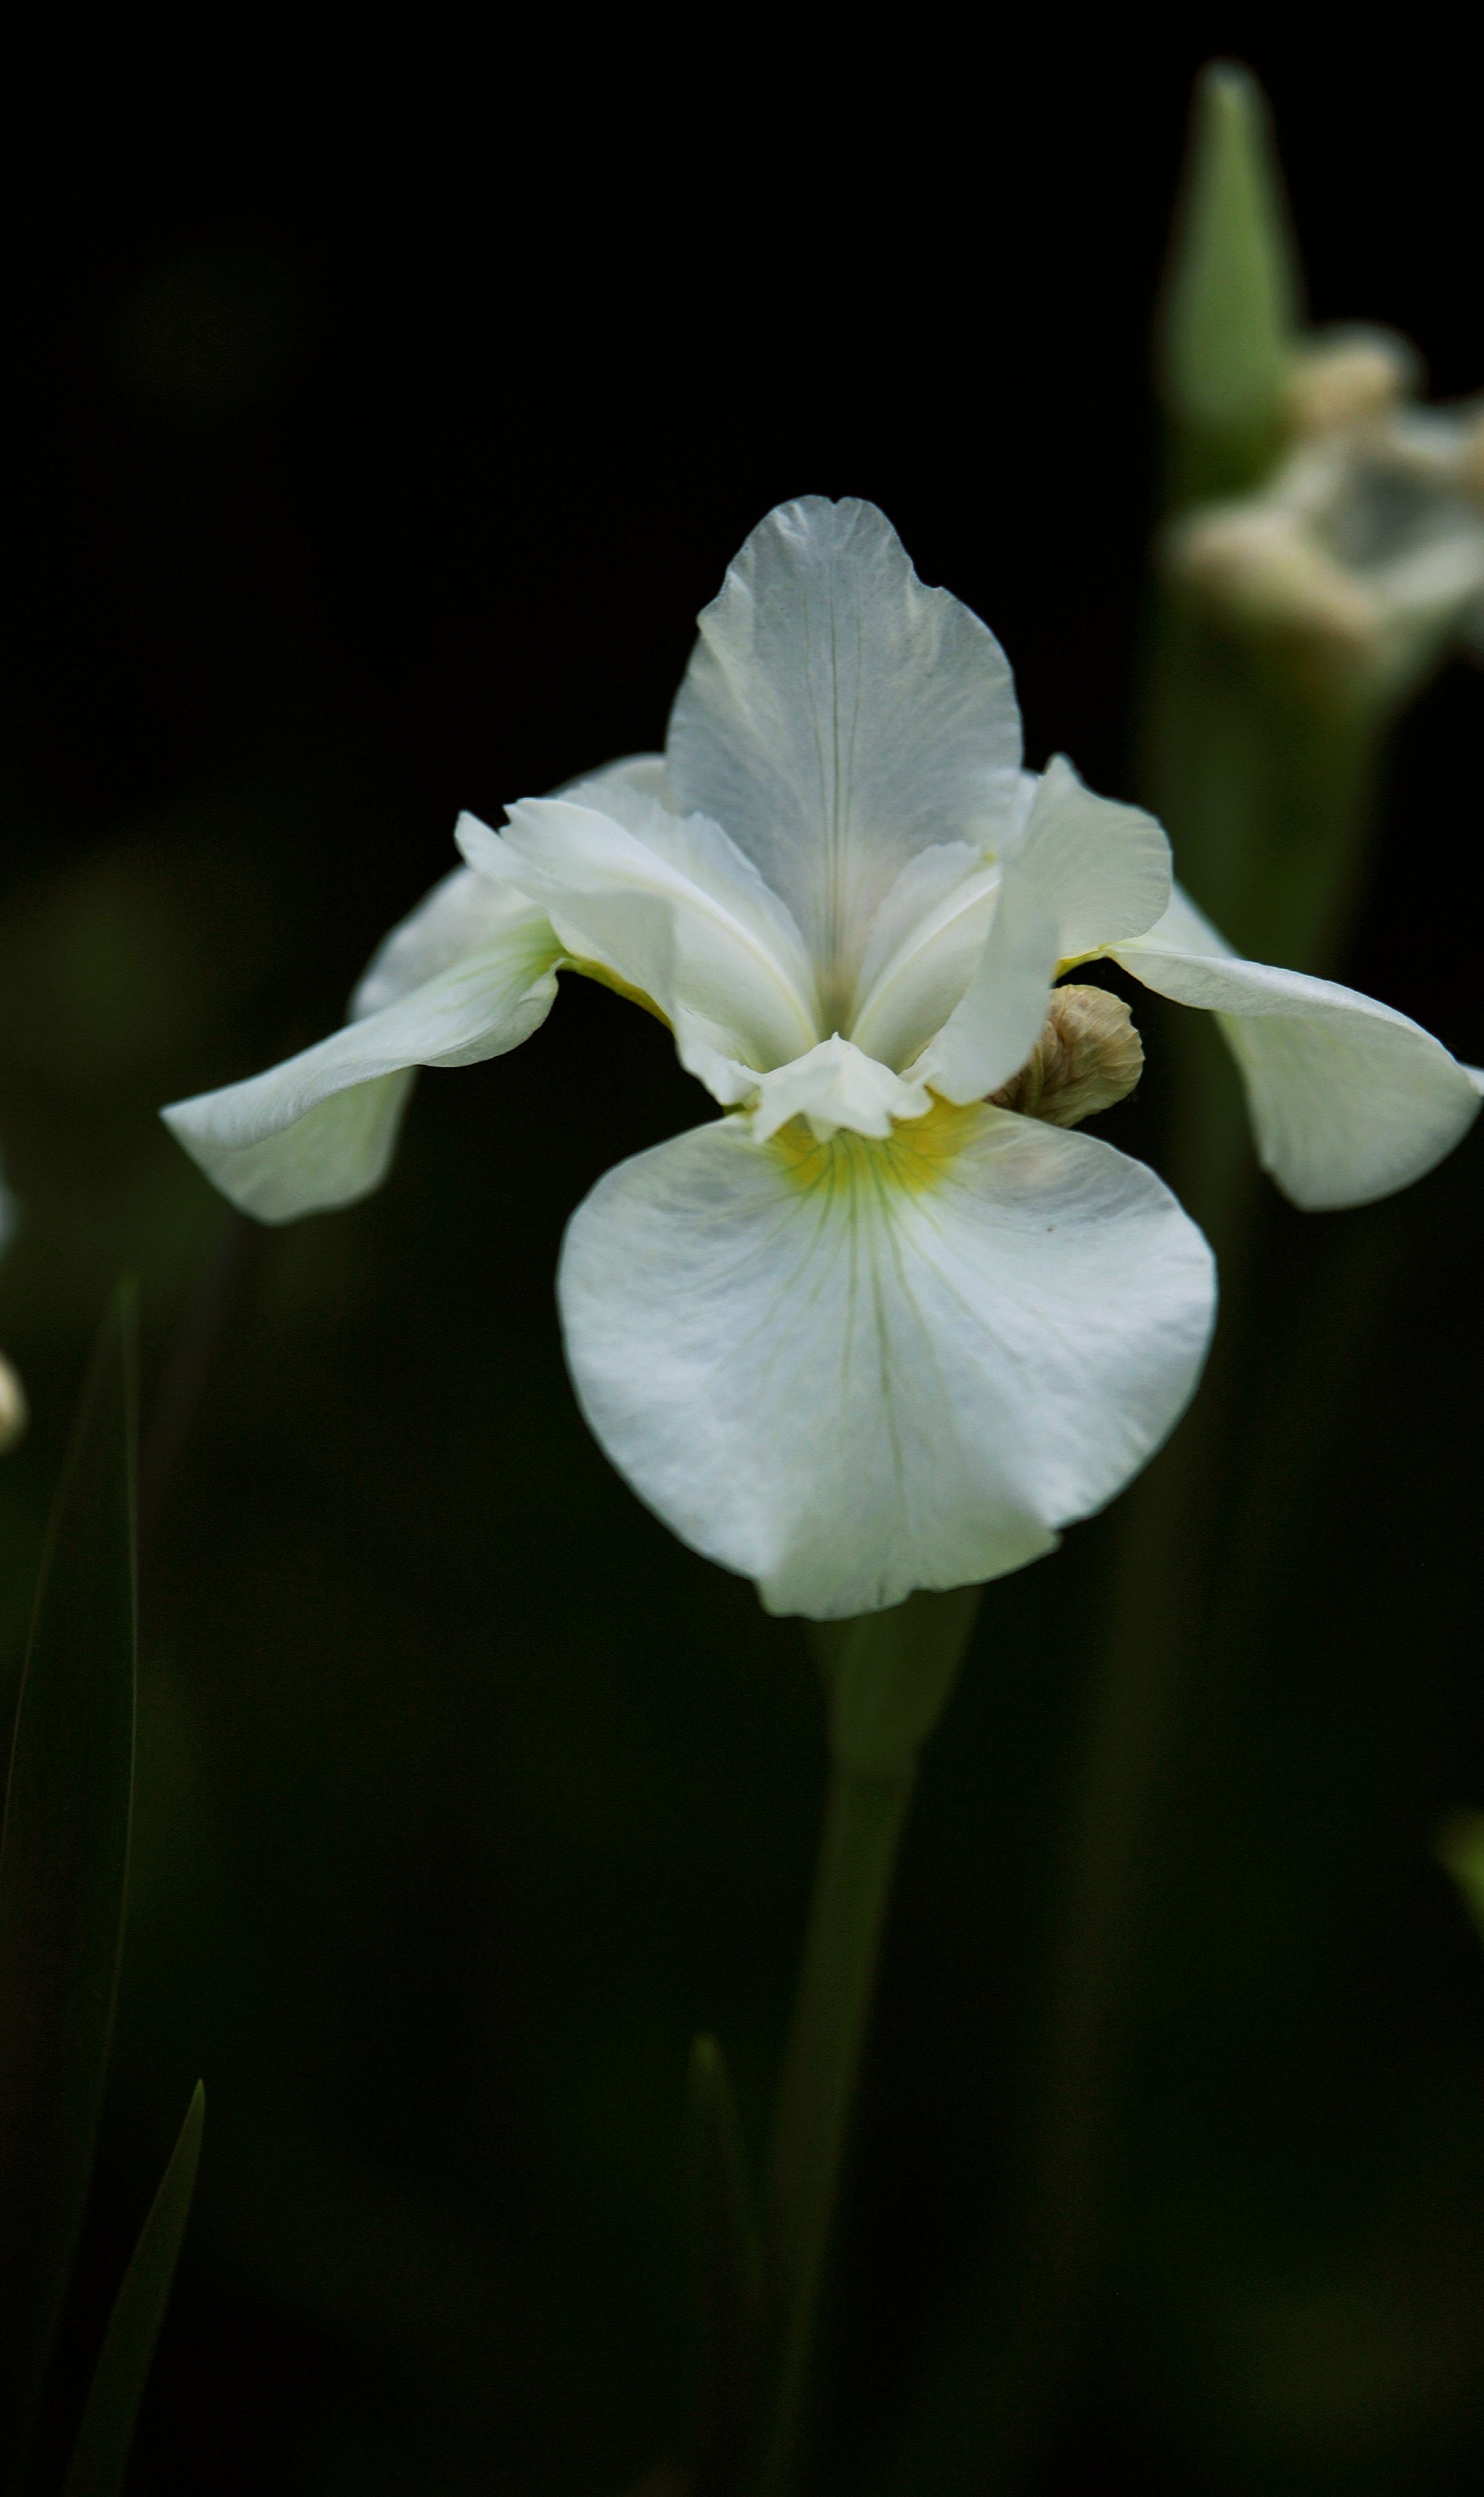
890 1676
864 1820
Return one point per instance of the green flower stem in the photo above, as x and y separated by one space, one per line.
890 1675
864 1822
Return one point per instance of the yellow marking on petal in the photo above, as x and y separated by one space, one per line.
915 1155
607 979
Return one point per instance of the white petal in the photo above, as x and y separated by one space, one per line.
1349 1100
996 1023
925 944
320 1129
836 1086
1182 928
838 717
332 1154
1103 867
1085 870
848 1370
673 908
644 772
460 916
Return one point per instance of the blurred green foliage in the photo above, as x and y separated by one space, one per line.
63 1867
64 1858
100 2458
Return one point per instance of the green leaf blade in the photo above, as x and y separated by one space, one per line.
101 2456
63 1866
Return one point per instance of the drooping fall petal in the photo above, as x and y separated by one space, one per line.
1349 1100
851 1369
320 1129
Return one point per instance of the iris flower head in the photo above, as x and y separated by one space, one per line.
890 1320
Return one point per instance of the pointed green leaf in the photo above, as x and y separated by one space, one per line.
63 1859
727 2278
101 2456
1229 317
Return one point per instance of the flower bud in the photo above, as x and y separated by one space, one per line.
1088 1056
13 1412
1229 310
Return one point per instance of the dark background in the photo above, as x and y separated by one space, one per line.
371 458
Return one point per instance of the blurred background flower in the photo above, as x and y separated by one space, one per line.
1361 556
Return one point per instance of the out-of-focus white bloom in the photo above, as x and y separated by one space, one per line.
1347 374
1364 550
13 1397
868 1331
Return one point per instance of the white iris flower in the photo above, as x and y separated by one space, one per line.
868 1331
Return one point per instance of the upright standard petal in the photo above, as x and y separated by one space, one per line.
838 717
848 1368
1102 868
1349 1100
1084 872
925 944
320 1129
